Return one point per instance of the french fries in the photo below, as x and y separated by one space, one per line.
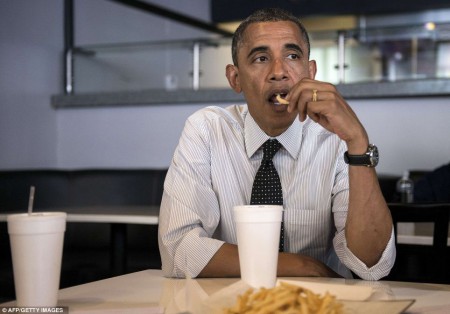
287 299
282 100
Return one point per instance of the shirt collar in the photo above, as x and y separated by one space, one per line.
291 139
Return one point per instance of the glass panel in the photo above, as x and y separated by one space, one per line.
443 60
133 67
213 60
386 54
371 55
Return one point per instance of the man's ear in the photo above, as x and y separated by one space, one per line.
312 69
232 73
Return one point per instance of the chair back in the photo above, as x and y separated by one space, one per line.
421 262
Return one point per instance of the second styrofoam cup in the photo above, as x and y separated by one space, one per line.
258 236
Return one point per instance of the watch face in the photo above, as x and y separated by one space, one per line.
373 155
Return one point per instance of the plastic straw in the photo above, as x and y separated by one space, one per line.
31 200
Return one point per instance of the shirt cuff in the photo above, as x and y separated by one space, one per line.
379 270
194 253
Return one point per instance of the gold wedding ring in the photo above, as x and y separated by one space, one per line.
314 96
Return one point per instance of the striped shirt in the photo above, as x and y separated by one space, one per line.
213 169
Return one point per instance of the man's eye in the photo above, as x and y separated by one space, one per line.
293 56
261 59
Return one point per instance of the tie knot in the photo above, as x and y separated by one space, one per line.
270 147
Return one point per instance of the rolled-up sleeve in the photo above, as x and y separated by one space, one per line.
189 212
379 270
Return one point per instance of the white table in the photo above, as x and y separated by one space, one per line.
149 292
117 216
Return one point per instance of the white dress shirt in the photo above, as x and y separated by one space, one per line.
213 169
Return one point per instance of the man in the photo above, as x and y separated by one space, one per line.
335 218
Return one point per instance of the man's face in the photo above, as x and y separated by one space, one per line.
271 59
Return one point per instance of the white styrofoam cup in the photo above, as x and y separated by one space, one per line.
36 246
258 236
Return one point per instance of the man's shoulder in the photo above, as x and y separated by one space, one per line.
226 114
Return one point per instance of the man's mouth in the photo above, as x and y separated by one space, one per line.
278 98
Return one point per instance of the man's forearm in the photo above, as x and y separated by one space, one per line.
369 223
225 263
298 265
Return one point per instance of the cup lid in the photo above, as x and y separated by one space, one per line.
36 223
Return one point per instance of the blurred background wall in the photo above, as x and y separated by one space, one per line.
411 133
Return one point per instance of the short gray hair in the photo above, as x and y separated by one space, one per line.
265 15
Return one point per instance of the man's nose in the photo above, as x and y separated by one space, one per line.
278 70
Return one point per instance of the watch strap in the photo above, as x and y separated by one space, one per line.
369 159
362 160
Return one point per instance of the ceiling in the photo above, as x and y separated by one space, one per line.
235 10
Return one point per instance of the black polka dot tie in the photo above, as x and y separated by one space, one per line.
267 185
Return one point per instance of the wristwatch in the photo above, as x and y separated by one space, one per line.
369 159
